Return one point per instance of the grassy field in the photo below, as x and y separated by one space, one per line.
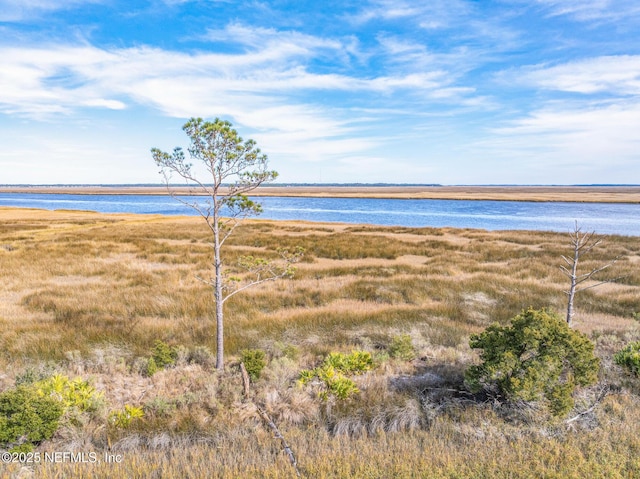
84 294
582 194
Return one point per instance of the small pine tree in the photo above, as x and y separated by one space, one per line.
163 355
402 348
254 361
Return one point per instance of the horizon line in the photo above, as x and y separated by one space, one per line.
320 184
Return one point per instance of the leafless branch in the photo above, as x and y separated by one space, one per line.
582 243
268 421
601 395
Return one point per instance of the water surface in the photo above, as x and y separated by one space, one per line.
604 218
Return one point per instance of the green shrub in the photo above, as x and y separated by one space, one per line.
73 393
537 357
337 384
27 417
123 418
150 367
30 413
164 355
402 348
333 370
254 362
629 357
355 363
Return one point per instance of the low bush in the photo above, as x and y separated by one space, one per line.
76 393
124 417
27 418
31 412
537 357
357 362
629 357
336 383
401 348
163 355
332 373
254 362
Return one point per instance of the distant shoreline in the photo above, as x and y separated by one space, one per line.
576 194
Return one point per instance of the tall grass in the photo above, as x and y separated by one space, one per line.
89 294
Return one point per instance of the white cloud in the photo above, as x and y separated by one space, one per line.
612 75
597 140
263 90
592 10
35 79
105 103
18 10
261 38
432 14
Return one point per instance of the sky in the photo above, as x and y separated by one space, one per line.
353 91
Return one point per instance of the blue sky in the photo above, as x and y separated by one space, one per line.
442 91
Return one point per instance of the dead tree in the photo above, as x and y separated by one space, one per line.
268 421
581 243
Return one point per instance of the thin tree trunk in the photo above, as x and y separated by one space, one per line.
218 297
582 244
574 281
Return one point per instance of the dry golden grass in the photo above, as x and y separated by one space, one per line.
611 194
88 294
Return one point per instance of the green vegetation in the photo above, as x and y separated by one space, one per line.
87 295
76 393
333 371
538 356
31 412
356 362
124 417
629 357
162 356
27 418
254 361
401 348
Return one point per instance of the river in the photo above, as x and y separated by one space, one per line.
604 218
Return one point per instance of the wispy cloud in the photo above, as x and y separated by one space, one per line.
592 10
261 38
18 10
443 86
614 75
574 142
585 123
434 14
257 89
271 66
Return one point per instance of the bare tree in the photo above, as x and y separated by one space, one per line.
232 168
582 243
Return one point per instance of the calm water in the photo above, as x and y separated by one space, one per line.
604 218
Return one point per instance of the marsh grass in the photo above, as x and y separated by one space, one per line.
89 294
